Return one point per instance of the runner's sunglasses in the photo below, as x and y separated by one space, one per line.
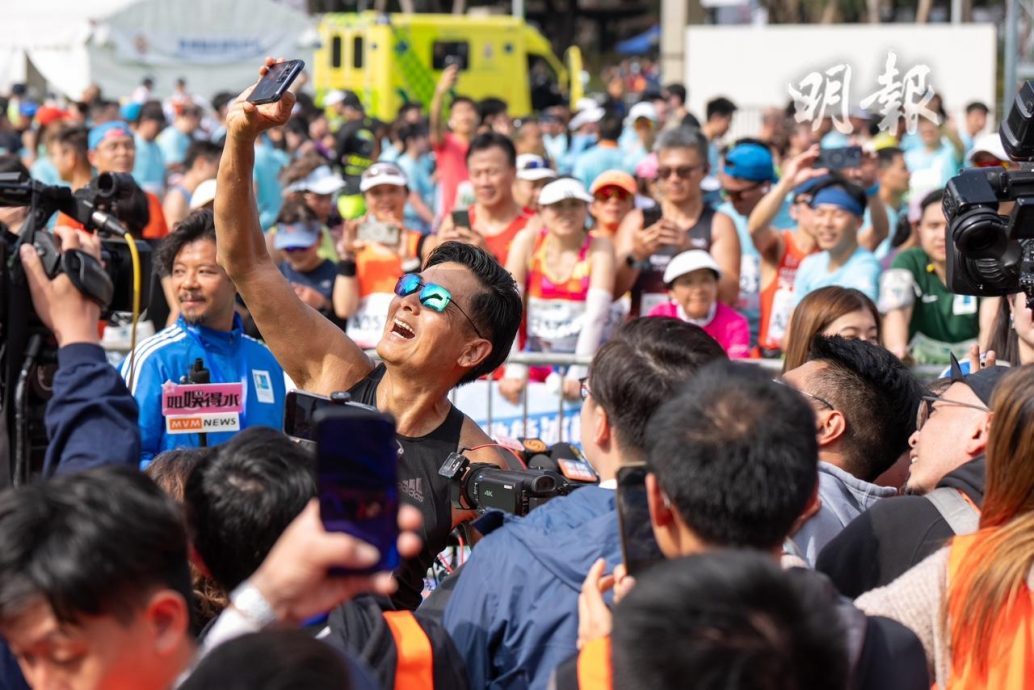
433 296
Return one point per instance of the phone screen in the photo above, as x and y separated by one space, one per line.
461 219
357 456
638 546
651 216
299 413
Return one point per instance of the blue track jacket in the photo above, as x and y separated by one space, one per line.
229 357
514 613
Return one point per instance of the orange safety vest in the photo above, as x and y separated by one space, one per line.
594 668
414 665
1011 661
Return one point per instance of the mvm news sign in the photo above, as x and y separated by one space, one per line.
202 407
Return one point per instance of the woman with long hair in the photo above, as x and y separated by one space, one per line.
832 310
1012 332
970 603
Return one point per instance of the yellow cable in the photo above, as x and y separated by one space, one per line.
136 306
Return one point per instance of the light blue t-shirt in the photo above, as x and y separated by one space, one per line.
44 171
174 145
421 183
861 272
149 168
931 169
597 160
268 164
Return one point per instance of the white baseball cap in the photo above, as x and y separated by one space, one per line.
690 261
203 194
563 189
382 173
587 116
533 168
644 110
322 180
989 143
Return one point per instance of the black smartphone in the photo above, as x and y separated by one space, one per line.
638 546
651 216
839 158
356 465
299 414
278 79
461 218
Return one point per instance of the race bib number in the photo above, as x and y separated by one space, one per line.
366 327
779 319
555 323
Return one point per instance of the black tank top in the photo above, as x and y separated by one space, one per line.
650 283
420 485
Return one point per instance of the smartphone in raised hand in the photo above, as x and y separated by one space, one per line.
357 458
272 87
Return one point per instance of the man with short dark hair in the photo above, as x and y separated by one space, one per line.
451 137
947 459
976 121
495 216
894 181
864 400
449 324
732 616
209 329
149 167
356 145
837 215
513 614
605 155
241 500
718 114
91 599
732 463
200 164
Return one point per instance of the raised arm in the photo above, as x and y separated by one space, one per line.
797 171
447 81
314 352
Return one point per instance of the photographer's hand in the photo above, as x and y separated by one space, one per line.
295 577
68 313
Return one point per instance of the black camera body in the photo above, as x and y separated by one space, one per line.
481 486
988 253
28 358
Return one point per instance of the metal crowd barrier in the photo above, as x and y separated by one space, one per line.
775 366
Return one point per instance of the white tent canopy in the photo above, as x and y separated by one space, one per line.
214 44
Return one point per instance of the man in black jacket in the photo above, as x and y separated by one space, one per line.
947 456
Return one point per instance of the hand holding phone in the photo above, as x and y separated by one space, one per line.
276 82
461 219
357 457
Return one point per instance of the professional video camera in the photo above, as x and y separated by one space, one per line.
991 254
28 355
554 471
